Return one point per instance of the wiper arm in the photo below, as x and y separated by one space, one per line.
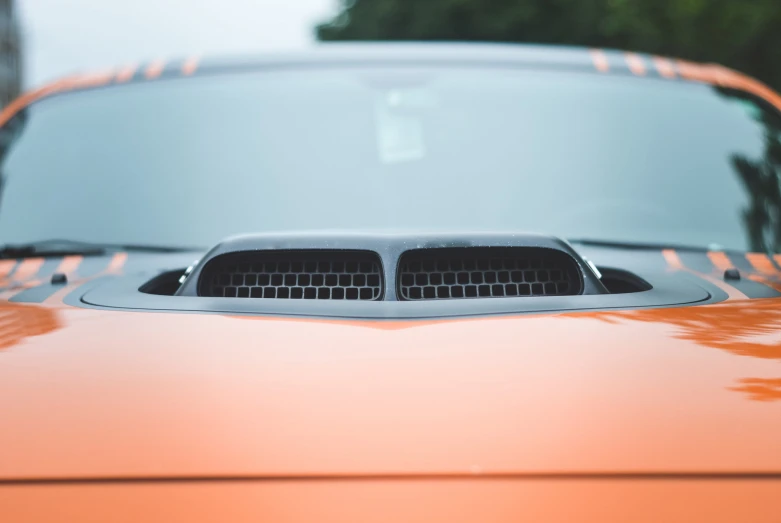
62 247
643 246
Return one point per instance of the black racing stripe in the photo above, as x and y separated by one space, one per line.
653 71
13 270
6 280
696 261
44 274
774 262
172 69
616 62
44 271
650 69
92 265
166 72
89 267
754 289
700 262
138 74
47 269
741 263
37 294
658 260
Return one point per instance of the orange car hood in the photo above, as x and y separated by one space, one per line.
104 394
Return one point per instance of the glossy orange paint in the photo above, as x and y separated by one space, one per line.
761 262
21 277
190 65
27 268
672 259
600 60
718 75
69 264
102 394
65 84
664 66
6 266
126 73
489 403
636 64
18 322
720 260
464 501
154 69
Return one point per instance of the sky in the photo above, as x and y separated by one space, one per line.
68 36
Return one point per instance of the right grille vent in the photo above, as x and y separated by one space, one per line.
487 272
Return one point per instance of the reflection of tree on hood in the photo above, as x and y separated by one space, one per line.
745 329
760 389
20 322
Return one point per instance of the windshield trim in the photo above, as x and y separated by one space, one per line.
596 61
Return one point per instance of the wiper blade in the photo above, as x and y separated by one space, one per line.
612 244
62 247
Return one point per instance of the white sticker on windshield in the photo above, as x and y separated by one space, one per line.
400 135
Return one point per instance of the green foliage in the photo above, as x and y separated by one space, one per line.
762 179
742 34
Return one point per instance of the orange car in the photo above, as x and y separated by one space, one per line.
393 283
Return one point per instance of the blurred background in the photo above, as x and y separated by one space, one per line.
44 39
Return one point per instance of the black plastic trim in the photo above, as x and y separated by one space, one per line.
317 255
630 280
389 247
164 284
568 265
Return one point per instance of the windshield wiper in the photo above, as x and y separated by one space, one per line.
63 247
644 246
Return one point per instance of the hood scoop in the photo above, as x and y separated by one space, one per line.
399 276
380 267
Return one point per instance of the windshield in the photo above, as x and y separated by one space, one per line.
579 155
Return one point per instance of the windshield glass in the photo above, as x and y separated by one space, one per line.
192 161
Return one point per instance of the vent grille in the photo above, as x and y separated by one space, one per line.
490 272
304 275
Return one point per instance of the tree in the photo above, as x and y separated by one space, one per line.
741 34
761 178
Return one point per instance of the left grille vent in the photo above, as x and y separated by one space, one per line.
304 275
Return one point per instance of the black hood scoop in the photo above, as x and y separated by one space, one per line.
401 276
391 268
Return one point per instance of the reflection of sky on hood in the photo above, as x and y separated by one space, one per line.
61 37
